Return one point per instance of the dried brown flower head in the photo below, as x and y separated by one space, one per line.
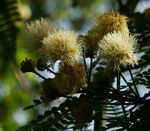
41 65
110 22
118 48
28 65
71 78
49 92
81 113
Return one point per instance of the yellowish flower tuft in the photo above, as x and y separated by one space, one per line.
24 11
62 45
36 31
110 22
105 23
71 78
118 48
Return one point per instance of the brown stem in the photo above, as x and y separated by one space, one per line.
85 65
51 71
39 75
99 123
90 70
135 87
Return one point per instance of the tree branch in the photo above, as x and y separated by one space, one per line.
129 7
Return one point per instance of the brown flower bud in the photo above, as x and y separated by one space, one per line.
28 65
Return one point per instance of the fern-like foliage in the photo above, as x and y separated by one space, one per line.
8 32
58 118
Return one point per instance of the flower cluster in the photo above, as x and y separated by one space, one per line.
57 44
109 38
108 42
105 23
54 44
110 35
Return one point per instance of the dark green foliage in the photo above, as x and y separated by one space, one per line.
60 117
8 32
54 119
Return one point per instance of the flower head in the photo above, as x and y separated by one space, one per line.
36 31
118 48
71 78
108 23
49 92
62 45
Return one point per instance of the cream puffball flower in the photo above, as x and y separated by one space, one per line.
62 45
35 32
109 22
118 49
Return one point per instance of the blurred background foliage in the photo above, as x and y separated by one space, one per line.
17 89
